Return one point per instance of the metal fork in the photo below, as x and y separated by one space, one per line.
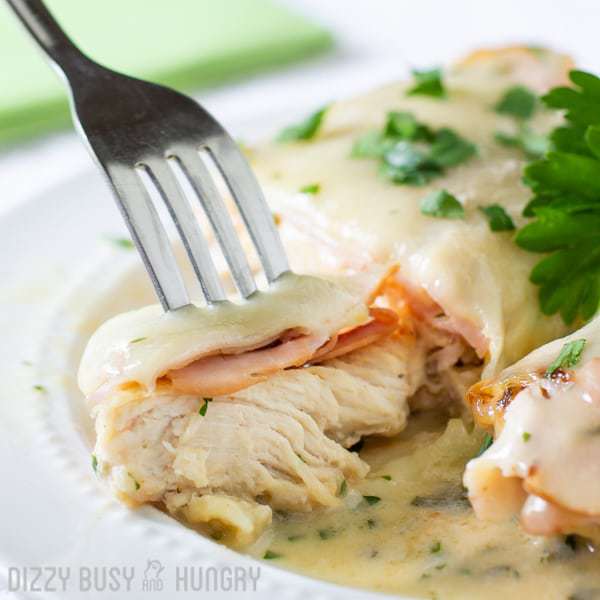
134 127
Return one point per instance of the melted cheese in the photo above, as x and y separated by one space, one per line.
359 221
141 345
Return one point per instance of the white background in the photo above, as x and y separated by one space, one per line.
387 35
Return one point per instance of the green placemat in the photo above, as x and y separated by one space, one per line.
187 44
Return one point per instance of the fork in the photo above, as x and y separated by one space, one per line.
139 132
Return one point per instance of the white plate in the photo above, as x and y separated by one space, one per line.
60 278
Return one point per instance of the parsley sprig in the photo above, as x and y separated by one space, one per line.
410 152
566 205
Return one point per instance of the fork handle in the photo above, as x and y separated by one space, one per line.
45 30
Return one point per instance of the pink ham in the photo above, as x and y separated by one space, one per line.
227 373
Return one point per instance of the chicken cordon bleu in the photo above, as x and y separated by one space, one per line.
544 464
224 413
407 296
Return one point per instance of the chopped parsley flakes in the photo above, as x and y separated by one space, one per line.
435 547
204 407
569 356
327 533
94 463
313 188
123 243
488 440
270 555
371 500
533 144
40 388
526 436
138 340
343 488
498 218
410 152
428 83
566 205
305 130
442 204
518 101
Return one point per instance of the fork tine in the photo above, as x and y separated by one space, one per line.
149 236
201 180
191 235
252 205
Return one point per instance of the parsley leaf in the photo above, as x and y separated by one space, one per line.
533 144
305 130
498 218
526 436
442 204
518 101
371 500
94 463
343 489
119 242
405 163
410 152
566 205
449 149
488 440
204 407
428 83
569 356
312 188
270 555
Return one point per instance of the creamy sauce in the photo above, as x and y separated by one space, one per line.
422 538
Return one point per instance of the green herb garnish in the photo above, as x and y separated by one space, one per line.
442 204
498 218
518 101
526 436
371 523
488 440
343 488
124 243
566 205
135 481
569 356
371 500
386 477
137 340
313 188
435 547
305 130
410 152
296 537
533 144
327 533
94 463
204 407
40 388
428 83
270 555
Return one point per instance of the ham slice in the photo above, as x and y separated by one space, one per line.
227 373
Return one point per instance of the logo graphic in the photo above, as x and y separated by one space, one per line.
152 579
